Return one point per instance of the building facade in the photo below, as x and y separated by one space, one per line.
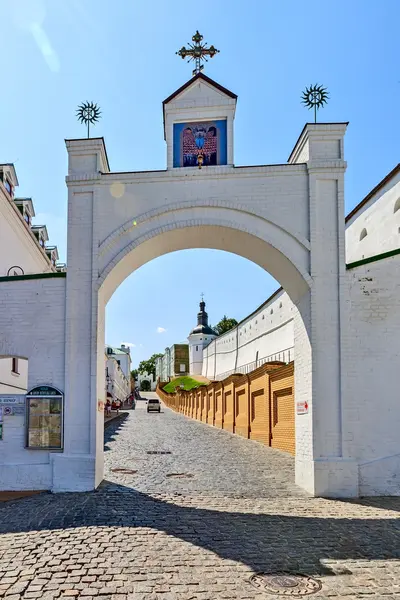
13 375
23 249
118 372
173 363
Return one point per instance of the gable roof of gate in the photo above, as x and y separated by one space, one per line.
197 77
190 82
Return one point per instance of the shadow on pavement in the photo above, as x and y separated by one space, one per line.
268 542
112 429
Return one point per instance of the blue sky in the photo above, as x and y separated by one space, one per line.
121 54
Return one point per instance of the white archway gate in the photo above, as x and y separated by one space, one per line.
289 219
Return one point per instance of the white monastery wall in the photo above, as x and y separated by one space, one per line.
266 334
32 326
371 410
377 223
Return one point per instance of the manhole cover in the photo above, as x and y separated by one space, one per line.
285 584
180 475
123 470
159 452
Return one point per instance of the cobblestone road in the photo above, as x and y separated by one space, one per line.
145 535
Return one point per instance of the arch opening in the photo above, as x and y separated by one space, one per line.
293 278
128 256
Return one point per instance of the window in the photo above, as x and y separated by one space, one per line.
8 186
197 348
27 218
363 234
14 367
396 205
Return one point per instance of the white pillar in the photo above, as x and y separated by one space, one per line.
80 467
321 467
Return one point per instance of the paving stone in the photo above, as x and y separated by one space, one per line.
150 537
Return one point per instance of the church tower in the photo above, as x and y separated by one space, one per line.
199 337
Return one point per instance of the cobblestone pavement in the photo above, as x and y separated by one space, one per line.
146 536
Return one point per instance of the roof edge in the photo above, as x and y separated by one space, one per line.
203 77
372 193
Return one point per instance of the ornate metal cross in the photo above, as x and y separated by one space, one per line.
197 52
202 296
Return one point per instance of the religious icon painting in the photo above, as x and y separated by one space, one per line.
206 140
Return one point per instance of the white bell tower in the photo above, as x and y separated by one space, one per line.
199 337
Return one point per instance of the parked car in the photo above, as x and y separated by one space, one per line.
153 404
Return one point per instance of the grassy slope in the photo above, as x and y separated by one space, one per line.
187 382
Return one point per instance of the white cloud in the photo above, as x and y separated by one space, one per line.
30 15
45 47
128 344
161 330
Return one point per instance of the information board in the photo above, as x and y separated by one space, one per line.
45 413
302 407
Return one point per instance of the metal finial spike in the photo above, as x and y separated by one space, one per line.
315 97
88 112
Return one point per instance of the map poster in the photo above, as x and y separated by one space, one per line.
45 407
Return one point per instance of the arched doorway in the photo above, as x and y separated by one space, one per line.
288 219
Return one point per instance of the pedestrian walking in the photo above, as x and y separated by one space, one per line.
108 408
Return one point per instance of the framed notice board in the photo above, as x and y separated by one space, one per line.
44 418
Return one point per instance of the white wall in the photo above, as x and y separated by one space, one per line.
268 331
118 385
195 354
379 220
17 243
372 406
125 362
32 325
11 382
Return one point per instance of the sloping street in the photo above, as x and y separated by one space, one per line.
191 512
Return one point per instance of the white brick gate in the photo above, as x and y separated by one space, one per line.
288 219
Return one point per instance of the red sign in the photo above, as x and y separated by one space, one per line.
302 407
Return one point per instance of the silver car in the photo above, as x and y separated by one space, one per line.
153 404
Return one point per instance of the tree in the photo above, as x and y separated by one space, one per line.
145 386
134 374
149 366
225 325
